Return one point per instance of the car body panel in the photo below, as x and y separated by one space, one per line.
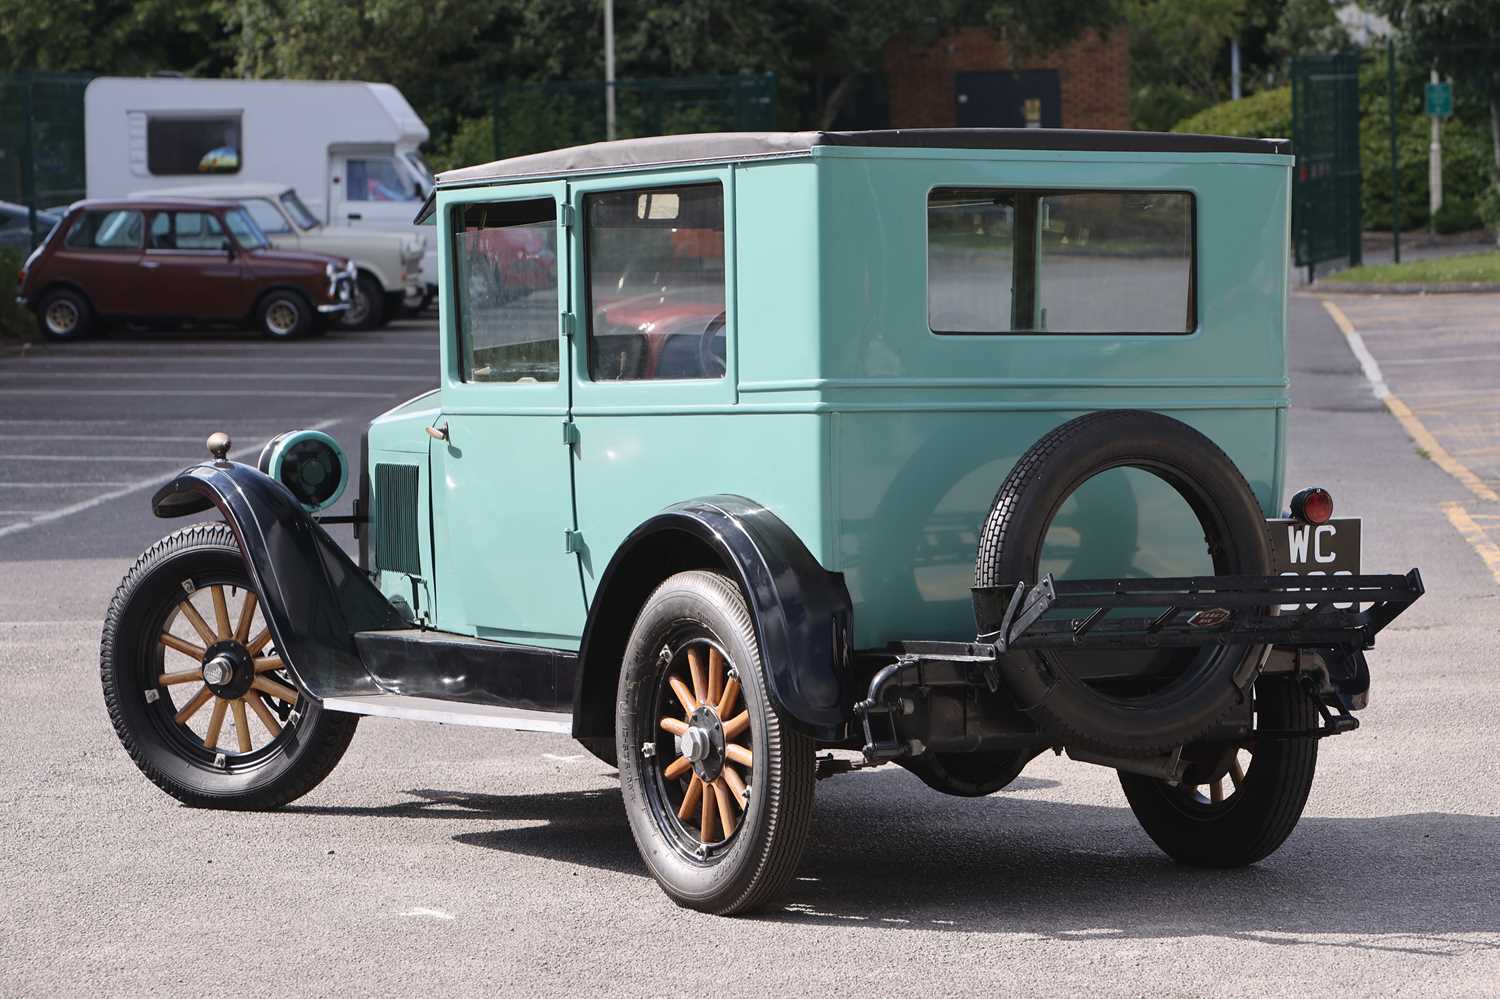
881 442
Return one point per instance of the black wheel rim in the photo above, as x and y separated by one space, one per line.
698 749
256 708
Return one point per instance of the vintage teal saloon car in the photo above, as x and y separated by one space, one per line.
950 447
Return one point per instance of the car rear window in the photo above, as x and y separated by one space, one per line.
505 276
1027 261
107 230
656 283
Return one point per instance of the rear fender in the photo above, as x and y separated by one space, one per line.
313 595
802 612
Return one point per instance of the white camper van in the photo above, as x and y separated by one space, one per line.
349 149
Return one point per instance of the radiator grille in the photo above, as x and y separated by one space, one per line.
395 512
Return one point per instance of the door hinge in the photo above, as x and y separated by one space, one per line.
572 542
570 433
565 215
567 325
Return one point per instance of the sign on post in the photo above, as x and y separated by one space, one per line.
1440 100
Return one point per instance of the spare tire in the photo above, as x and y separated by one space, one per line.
1199 686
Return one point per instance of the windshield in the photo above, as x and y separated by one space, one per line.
422 170
298 211
245 230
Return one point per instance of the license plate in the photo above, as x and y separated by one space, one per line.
1300 549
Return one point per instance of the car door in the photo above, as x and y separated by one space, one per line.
187 271
101 253
502 475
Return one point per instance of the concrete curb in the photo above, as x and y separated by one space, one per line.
1405 288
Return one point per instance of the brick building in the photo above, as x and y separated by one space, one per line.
966 79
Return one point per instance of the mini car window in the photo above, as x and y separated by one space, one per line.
250 235
656 283
178 145
1060 261
116 230
379 179
267 216
186 231
505 273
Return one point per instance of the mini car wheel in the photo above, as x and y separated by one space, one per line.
284 315
199 696
718 790
1250 803
366 307
64 314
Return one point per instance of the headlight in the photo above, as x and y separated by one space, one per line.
309 463
330 271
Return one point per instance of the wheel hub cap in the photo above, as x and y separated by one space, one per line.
703 743
227 669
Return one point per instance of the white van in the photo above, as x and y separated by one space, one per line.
349 149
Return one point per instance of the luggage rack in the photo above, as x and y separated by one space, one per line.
1194 612
1202 610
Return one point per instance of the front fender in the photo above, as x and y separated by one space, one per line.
802 612
313 596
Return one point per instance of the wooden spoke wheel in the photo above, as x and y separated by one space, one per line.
202 700
1218 790
707 758
220 670
717 788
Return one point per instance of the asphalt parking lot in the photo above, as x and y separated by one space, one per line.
471 862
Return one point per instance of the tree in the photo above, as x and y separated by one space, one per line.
1458 38
1176 51
129 37
1308 27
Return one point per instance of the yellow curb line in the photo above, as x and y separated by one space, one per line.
1475 536
1414 427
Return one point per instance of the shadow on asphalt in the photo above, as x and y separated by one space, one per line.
897 857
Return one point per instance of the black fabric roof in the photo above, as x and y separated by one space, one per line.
665 150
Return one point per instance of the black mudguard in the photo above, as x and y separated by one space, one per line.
803 615
313 595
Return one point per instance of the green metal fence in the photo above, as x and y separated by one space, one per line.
532 117
1325 137
41 140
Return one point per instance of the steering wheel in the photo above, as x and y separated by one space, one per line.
712 362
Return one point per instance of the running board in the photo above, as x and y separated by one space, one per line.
430 709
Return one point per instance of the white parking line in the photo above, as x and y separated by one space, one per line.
124 489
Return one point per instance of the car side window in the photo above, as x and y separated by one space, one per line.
655 259
107 230
1025 261
505 276
186 231
267 216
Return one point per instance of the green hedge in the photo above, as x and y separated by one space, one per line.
16 323
1468 164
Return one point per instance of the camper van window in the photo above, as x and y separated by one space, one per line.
266 216
176 145
380 179
298 211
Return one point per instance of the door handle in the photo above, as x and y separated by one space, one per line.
355 216
151 263
438 433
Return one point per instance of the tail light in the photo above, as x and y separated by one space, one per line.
1313 505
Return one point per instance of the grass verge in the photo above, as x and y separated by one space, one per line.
1466 269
